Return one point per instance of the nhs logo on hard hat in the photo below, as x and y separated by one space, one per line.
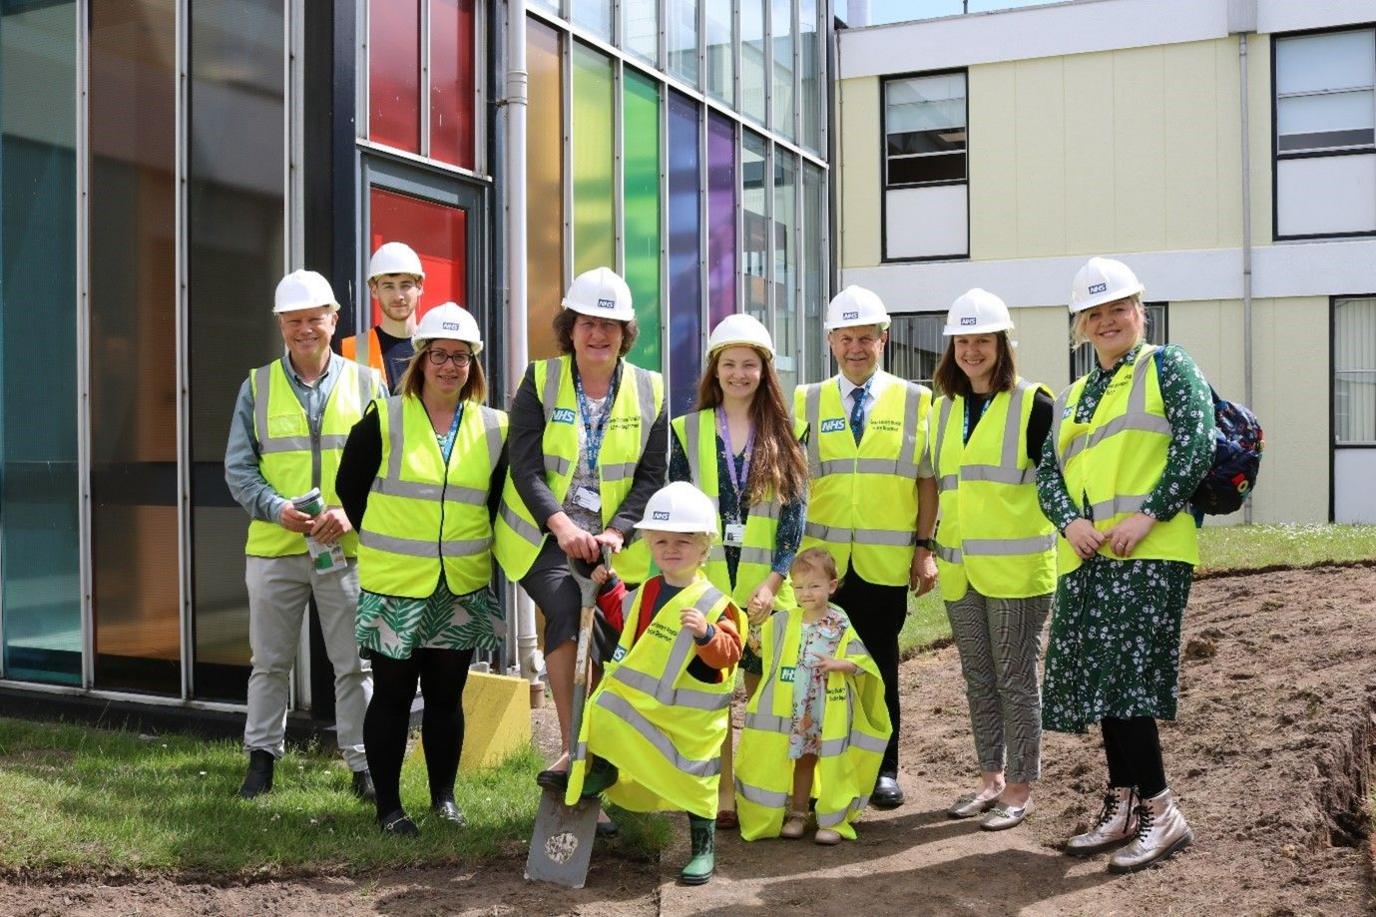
967 320
659 516
606 304
450 326
1097 288
847 316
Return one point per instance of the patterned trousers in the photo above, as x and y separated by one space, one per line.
999 642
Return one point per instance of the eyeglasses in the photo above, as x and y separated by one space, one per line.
440 357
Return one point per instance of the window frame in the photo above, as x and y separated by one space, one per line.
1165 307
1277 157
1334 443
884 187
939 319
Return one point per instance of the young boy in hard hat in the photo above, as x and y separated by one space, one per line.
652 731
288 431
396 280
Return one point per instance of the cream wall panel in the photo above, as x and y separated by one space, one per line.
1139 152
1292 405
1039 129
993 158
1195 167
860 153
1090 175
1043 338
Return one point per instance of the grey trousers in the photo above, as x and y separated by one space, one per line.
278 591
999 642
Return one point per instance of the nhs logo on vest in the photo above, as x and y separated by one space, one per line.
619 655
786 674
833 425
562 415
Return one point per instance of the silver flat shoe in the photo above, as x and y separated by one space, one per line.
970 805
1001 817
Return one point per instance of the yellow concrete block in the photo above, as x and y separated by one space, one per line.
496 720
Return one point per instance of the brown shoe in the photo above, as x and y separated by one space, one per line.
727 819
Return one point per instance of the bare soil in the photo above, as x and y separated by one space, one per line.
1271 757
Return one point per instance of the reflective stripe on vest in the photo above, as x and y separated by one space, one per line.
425 516
697 434
639 399
1112 462
863 501
993 534
660 725
293 457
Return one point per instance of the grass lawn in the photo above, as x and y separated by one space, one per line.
1221 548
81 800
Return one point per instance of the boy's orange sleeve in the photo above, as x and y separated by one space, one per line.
724 649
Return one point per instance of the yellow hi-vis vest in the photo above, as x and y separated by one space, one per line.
697 433
993 535
659 725
639 399
1114 461
855 732
296 458
863 501
424 517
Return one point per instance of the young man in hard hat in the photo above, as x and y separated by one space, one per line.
290 423
397 280
867 448
652 732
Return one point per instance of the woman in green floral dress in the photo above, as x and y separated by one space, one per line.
420 478
1129 444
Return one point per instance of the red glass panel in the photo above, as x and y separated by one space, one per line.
394 74
451 81
439 234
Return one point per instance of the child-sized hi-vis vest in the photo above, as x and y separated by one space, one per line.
697 433
296 458
863 501
639 399
1116 459
855 732
993 535
425 517
659 725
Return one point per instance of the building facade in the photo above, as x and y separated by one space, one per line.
164 162
1224 150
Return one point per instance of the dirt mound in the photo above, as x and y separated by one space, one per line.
1271 758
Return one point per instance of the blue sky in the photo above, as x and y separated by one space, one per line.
882 11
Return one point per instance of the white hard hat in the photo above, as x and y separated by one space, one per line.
303 290
1102 280
449 322
679 507
977 312
740 329
395 258
856 306
600 292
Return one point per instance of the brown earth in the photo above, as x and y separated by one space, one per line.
1270 756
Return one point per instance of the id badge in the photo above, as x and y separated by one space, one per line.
590 500
733 535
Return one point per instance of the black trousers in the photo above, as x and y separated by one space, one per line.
442 675
877 613
1133 749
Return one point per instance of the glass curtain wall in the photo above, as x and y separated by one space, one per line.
786 268
640 128
721 218
681 37
394 74
133 353
593 15
640 28
755 225
783 99
544 188
753 75
594 236
813 262
235 246
811 55
685 254
40 546
721 61
452 50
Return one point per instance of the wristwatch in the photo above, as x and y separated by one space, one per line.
928 543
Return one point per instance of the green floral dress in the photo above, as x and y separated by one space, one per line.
1115 632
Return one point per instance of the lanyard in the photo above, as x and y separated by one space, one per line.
593 434
969 406
737 484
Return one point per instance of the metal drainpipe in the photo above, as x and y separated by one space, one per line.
516 107
1246 239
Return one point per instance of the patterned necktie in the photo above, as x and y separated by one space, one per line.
857 413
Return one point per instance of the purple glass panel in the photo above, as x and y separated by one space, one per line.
721 217
685 275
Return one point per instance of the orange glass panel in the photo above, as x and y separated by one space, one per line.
394 74
438 233
545 184
451 81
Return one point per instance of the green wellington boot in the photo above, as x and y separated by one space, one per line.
704 861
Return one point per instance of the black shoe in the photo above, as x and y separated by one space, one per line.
259 777
607 828
448 810
398 823
553 780
363 786
602 774
887 794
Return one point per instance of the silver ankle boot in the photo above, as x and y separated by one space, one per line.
1115 826
1161 831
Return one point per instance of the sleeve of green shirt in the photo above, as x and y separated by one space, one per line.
1190 410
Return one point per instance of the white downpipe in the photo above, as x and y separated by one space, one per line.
1246 239
516 107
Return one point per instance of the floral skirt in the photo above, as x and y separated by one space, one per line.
1114 649
395 626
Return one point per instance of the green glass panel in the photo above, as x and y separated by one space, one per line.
641 114
594 242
